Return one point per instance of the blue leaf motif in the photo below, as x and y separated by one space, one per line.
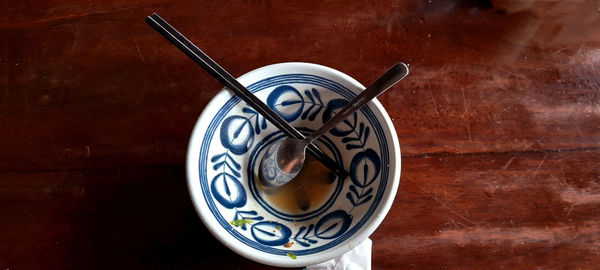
271 233
333 225
349 196
317 95
217 157
257 127
357 198
286 101
361 130
228 191
350 139
366 136
239 214
304 240
368 198
305 114
353 146
316 104
224 163
364 168
312 100
309 95
264 123
248 110
237 134
360 140
235 164
313 115
226 158
353 189
258 124
340 130
290 102
358 195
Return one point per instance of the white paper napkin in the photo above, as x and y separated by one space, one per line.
358 258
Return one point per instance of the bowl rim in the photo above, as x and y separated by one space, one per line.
195 192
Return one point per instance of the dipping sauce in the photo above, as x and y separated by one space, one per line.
309 190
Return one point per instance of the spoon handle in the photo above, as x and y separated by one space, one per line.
384 82
198 56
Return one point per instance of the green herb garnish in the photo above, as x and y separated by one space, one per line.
291 255
241 222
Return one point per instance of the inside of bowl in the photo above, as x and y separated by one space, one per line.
319 211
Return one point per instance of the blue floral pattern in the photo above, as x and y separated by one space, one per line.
238 134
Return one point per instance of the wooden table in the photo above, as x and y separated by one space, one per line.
499 125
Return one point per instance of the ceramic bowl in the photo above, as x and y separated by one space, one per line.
230 138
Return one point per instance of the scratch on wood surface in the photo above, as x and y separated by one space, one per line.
466 107
581 196
540 165
508 163
469 132
576 197
560 181
560 50
137 47
512 73
360 48
583 236
60 19
571 209
443 203
456 213
462 89
456 223
437 111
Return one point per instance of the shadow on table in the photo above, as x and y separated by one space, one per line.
144 218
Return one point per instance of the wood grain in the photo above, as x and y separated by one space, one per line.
499 125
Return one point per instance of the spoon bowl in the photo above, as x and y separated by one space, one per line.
282 162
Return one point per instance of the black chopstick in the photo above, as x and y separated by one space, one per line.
198 56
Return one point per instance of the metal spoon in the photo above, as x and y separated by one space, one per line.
283 160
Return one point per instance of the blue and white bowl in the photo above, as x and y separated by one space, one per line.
230 138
